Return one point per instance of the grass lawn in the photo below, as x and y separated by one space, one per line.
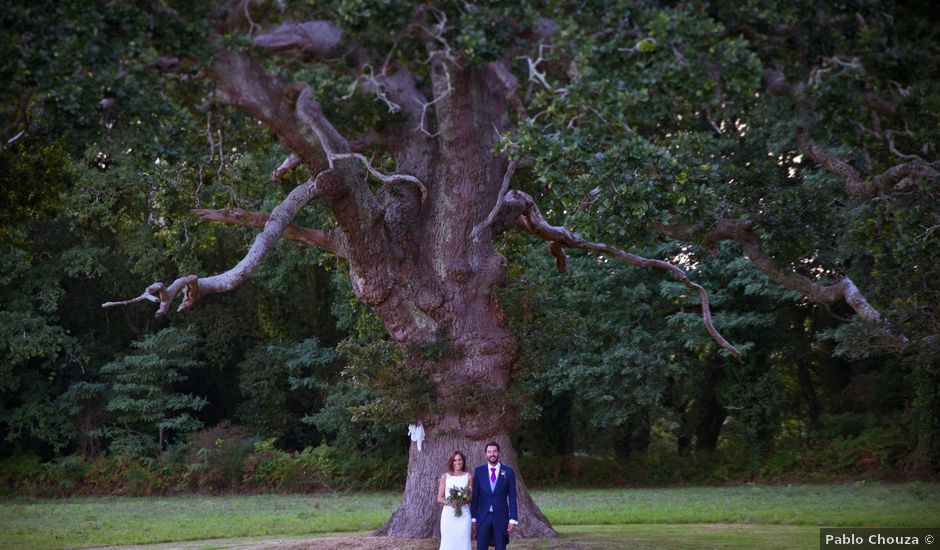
746 516
125 520
853 504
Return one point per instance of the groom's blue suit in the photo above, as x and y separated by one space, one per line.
501 499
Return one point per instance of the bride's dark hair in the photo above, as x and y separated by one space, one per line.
450 461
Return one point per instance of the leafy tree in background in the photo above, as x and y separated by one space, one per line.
95 195
618 343
352 414
611 369
71 216
282 385
147 412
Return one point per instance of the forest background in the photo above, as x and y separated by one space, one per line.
291 384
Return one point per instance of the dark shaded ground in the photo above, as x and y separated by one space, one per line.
702 536
370 543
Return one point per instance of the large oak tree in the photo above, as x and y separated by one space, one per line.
773 128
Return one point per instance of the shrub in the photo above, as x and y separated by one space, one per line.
269 468
382 473
105 475
573 471
68 473
22 474
217 457
140 479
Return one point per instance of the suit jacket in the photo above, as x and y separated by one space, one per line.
502 498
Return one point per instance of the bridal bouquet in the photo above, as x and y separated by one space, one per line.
457 497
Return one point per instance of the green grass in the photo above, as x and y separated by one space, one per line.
125 520
855 504
744 516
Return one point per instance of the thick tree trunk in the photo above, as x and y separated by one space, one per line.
457 296
444 280
419 514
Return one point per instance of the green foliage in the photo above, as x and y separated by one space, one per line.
385 383
617 342
20 473
35 350
218 456
236 463
347 431
322 467
145 408
753 394
280 385
400 386
659 106
484 32
270 467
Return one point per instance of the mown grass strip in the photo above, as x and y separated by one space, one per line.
48 523
856 504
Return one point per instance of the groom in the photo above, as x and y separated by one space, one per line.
493 508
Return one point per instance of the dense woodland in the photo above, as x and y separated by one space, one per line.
783 154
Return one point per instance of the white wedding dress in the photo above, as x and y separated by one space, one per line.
455 531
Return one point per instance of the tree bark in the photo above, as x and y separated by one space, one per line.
471 384
441 279
419 514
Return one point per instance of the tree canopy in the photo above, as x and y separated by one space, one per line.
385 174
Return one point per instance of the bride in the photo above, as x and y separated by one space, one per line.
455 531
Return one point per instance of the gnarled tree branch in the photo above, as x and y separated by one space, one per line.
742 232
312 37
510 85
331 241
20 122
879 104
242 82
387 179
532 222
310 113
504 187
777 85
242 15
337 148
778 41
194 287
855 185
289 164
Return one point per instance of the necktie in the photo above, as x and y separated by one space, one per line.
492 475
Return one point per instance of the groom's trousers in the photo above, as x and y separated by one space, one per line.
490 533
